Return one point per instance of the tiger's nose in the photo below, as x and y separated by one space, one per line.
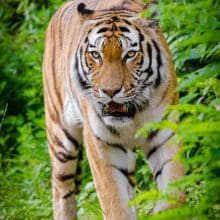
111 92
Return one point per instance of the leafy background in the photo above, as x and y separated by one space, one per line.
192 29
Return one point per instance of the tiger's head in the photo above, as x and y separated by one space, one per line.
120 64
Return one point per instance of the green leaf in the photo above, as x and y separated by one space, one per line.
208 71
212 36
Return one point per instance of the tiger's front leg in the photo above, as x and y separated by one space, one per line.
112 168
166 168
64 153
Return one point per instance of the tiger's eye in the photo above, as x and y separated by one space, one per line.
95 54
131 53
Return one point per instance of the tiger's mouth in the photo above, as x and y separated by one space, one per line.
118 110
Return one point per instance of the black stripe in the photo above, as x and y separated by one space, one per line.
152 134
81 55
71 138
155 148
159 172
87 40
124 29
124 171
159 63
118 146
101 30
58 142
141 36
149 51
115 18
115 145
152 151
149 69
127 22
58 157
141 104
61 156
126 174
78 178
67 156
82 82
135 77
90 45
111 129
65 177
69 194
134 45
79 164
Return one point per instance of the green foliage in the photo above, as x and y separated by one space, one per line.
24 161
192 29
199 130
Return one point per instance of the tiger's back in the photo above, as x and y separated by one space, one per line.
106 72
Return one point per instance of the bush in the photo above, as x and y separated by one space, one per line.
193 29
24 165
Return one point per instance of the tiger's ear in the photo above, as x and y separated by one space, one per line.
154 24
83 11
150 24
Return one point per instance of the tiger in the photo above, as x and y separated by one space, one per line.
106 71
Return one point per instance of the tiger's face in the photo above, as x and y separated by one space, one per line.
118 67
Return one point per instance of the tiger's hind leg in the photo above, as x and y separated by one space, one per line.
165 167
64 152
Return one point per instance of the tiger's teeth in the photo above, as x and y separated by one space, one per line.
106 108
124 108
